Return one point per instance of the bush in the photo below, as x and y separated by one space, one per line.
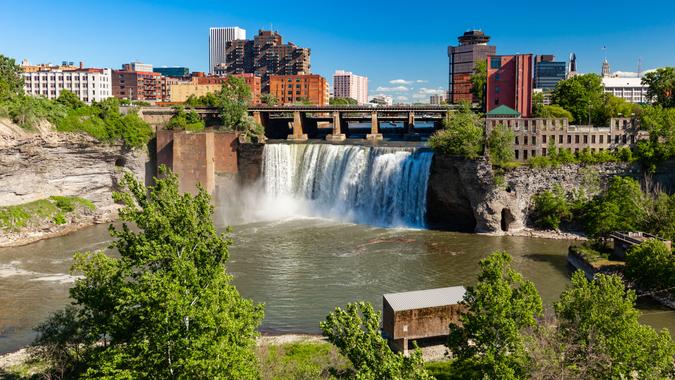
500 145
306 360
651 266
188 121
551 208
462 135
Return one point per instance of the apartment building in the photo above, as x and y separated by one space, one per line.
348 85
290 89
89 84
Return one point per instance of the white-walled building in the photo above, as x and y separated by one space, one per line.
438 99
630 89
348 85
382 100
218 37
88 84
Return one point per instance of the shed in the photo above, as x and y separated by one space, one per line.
420 314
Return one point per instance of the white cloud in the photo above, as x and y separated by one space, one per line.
400 81
402 98
392 89
421 81
431 91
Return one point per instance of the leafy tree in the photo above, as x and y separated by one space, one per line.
70 100
269 99
661 86
234 98
342 101
599 316
551 208
500 145
355 331
622 207
612 106
462 135
11 81
553 112
189 121
479 82
165 307
660 123
499 308
581 95
661 219
651 265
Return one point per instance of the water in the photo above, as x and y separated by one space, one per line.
368 185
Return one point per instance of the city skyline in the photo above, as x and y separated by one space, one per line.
407 60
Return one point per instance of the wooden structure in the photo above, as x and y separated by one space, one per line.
624 240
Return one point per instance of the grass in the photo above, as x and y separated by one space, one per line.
55 209
303 360
597 257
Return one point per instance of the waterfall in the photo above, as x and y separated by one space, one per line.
370 185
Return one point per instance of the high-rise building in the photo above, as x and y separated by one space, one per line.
548 72
266 55
348 85
135 82
218 38
89 84
289 89
472 48
509 82
174 72
438 99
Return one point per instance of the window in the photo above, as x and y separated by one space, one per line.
524 154
524 140
601 138
585 139
497 89
496 76
543 151
593 139
616 139
534 140
576 139
560 139
543 139
495 62
534 153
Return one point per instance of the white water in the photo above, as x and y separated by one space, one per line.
369 185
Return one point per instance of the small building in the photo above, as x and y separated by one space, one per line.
624 240
420 314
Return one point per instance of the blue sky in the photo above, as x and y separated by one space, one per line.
384 40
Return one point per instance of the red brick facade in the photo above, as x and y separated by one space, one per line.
509 82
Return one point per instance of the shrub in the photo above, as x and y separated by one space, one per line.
462 135
551 208
651 265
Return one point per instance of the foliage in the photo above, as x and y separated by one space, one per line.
28 111
462 135
622 207
553 112
303 360
11 82
54 209
661 218
500 145
69 100
479 82
269 99
234 98
580 95
355 332
342 101
551 208
187 121
661 86
499 307
651 266
165 307
599 316
660 123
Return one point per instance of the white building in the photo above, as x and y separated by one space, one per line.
438 99
137 66
630 89
87 83
218 37
382 100
348 85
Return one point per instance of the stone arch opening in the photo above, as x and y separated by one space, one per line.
121 161
507 219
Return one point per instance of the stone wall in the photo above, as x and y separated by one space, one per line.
250 162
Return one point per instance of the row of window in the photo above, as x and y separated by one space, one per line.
618 139
66 77
29 86
533 152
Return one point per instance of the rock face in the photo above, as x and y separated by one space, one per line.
466 195
36 166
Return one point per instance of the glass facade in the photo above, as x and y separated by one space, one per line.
548 73
172 71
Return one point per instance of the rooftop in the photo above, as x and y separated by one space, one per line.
419 299
503 111
622 82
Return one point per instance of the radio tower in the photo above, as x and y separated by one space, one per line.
639 67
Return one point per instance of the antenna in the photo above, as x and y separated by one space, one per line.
639 67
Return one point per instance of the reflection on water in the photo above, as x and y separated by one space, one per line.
301 269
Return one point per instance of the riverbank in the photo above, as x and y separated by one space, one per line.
540 234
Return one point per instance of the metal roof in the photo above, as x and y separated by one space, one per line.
420 299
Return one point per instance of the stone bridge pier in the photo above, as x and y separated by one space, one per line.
336 134
374 134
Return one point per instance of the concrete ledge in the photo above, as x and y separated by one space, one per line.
374 136
302 137
339 137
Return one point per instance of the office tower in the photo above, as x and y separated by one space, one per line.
218 38
509 83
472 48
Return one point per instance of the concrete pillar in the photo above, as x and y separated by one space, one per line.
336 135
297 128
411 121
374 134
257 117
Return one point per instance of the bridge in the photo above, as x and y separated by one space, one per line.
334 123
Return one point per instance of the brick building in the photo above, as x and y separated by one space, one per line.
473 48
289 89
265 55
202 85
509 83
129 83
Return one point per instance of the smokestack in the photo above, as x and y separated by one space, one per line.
81 65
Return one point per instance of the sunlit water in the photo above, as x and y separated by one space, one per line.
300 268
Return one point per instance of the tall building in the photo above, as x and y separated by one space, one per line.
289 89
438 99
135 82
202 85
89 84
174 72
472 48
572 66
348 85
548 72
218 38
266 55
509 83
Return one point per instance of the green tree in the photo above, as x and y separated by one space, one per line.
269 99
661 86
11 81
479 82
581 95
553 112
599 316
611 106
234 98
342 101
355 331
70 100
499 308
622 207
165 306
189 121
462 134
500 145
651 266
660 123
550 208
661 219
